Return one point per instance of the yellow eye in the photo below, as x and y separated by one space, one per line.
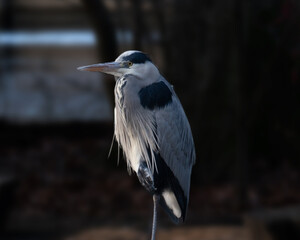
130 64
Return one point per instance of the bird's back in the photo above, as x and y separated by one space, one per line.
177 156
152 129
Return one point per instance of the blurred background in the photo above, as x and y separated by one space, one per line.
234 64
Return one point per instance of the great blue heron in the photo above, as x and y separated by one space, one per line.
153 131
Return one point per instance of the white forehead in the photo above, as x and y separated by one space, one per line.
125 54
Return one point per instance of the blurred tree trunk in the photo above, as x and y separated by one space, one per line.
160 14
241 104
7 183
105 34
106 47
138 25
6 53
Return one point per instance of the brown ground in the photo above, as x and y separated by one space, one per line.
245 232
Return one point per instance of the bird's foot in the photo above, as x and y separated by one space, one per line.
146 178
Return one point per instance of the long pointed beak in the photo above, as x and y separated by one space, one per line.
110 68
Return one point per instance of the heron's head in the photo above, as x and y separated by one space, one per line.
131 62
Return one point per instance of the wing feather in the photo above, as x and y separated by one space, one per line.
175 141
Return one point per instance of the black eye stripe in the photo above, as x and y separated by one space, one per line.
137 57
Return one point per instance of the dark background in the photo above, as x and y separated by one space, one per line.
235 65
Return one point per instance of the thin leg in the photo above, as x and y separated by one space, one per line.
154 224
